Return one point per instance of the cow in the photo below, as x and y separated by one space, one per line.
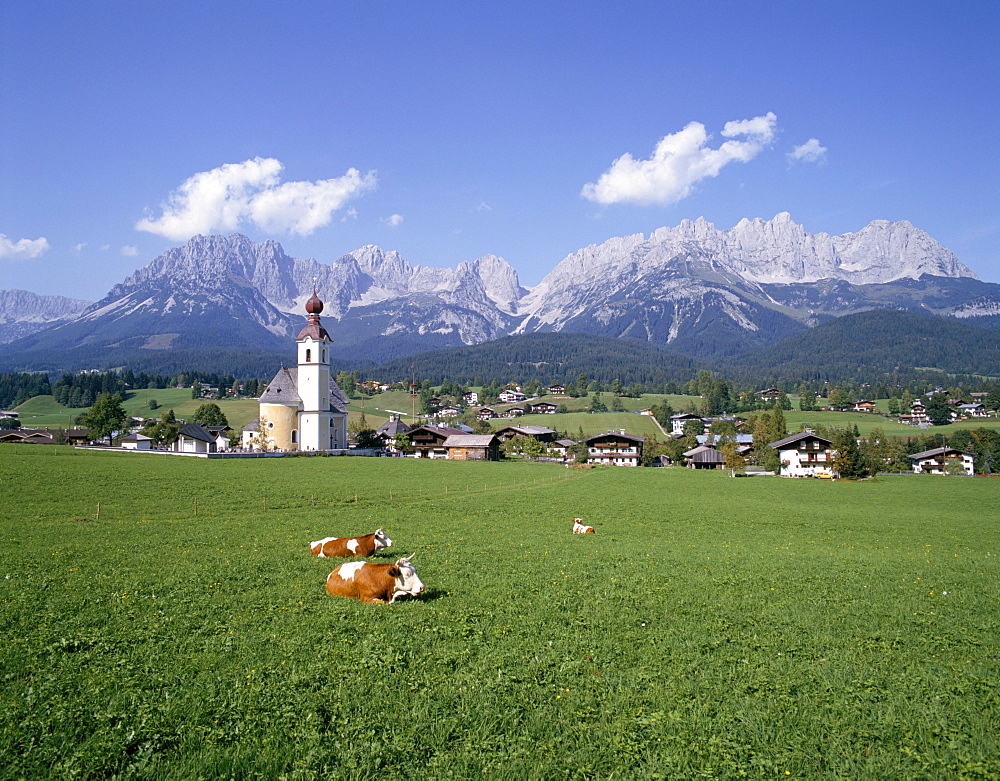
580 528
374 583
345 547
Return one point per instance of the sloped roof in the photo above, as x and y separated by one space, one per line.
392 427
470 440
527 431
615 434
283 388
705 455
798 437
194 431
939 451
338 401
695 450
740 439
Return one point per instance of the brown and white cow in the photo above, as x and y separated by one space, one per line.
345 547
374 583
580 528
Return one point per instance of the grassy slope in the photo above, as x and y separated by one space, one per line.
44 412
711 626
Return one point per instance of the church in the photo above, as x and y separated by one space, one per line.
303 408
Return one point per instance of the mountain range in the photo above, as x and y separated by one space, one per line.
693 290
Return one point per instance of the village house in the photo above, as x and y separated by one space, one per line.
510 396
428 441
194 439
31 436
975 410
388 432
513 412
864 406
615 449
918 413
544 408
486 413
704 457
677 421
449 411
472 447
560 448
769 394
805 455
557 390
470 398
936 461
541 433
136 442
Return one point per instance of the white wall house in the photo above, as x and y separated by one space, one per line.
614 449
936 461
805 455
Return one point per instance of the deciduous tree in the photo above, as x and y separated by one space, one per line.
107 417
210 414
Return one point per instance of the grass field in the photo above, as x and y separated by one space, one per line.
45 412
713 627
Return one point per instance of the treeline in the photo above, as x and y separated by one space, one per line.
240 363
547 357
16 388
82 390
872 346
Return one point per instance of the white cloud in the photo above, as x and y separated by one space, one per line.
394 220
679 161
809 152
23 249
483 207
105 247
350 214
251 192
78 248
130 250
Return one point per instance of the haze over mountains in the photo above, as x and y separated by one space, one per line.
693 289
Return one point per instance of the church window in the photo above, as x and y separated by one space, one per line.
270 424
295 436
308 356
324 355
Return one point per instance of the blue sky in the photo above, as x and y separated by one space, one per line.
449 130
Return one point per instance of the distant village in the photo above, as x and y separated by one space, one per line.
302 410
717 442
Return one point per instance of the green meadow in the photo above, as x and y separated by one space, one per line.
712 627
46 412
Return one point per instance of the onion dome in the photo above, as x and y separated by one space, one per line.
314 306
313 328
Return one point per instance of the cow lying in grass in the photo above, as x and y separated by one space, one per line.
345 547
580 528
374 583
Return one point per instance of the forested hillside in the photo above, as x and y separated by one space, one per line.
872 345
549 358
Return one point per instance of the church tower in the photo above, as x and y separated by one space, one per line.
316 429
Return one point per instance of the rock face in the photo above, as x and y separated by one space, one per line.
710 292
23 313
701 291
